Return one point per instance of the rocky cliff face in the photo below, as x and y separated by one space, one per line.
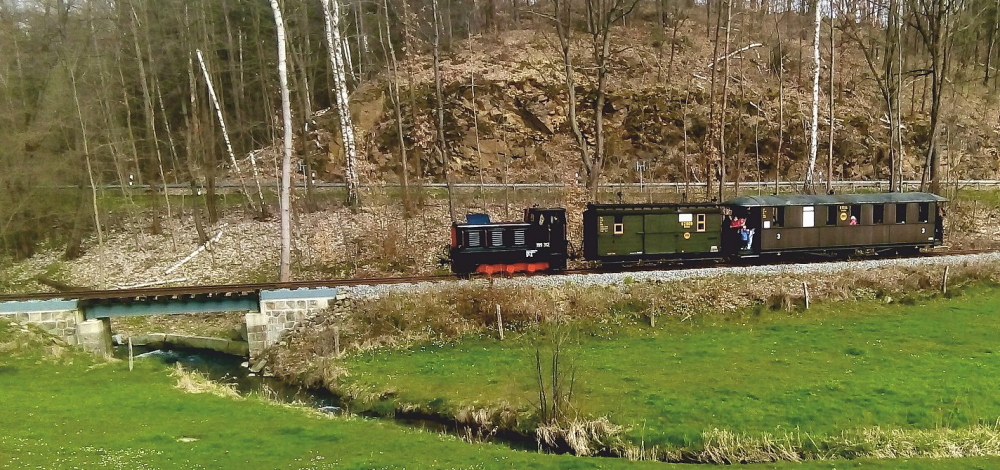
505 107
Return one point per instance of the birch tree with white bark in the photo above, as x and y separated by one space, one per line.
814 130
331 17
286 160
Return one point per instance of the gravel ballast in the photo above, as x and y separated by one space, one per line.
607 279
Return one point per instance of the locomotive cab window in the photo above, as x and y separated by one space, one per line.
878 214
900 213
924 212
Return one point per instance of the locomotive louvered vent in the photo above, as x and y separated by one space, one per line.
474 238
519 237
496 238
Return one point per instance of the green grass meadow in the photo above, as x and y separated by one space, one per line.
837 367
61 409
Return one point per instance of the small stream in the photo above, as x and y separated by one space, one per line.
228 369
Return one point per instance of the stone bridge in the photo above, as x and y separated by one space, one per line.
86 322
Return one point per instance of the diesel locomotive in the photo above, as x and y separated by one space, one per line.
744 227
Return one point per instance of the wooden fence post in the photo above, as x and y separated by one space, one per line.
805 291
944 281
336 340
499 322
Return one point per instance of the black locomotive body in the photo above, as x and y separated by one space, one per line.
745 227
538 243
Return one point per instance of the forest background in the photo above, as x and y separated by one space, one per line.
111 110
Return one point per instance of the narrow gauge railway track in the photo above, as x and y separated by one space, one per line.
232 290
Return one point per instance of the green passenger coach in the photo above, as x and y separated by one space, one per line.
647 232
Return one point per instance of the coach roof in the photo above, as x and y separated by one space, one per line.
834 199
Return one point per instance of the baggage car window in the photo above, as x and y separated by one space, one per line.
900 213
809 216
878 213
701 222
619 229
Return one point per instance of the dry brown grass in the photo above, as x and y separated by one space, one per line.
195 382
580 436
726 447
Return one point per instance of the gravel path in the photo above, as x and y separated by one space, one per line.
605 279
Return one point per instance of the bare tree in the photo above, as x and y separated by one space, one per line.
395 97
833 55
331 16
933 21
225 135
286 160
602 15
562 17
885 47
814 129
442 144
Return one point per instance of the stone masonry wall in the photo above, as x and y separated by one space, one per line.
60 323
266 328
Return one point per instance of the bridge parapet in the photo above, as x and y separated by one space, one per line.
281 310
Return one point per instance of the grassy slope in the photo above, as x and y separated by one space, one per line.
71 413
69 416
838 367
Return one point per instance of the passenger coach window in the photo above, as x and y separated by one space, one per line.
856 212
809 216
923 214
831 215
878 213
900 213
779 216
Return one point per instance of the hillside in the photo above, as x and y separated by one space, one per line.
517 107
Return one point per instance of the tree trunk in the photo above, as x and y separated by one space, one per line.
225 136
561 15
286 161
442 146
90 175
814 130
395 97
331 15
829 158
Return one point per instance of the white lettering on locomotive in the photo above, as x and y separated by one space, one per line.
542 245
530 253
